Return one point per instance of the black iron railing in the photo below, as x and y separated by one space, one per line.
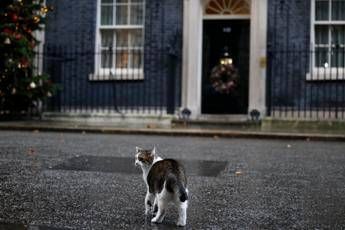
306 64
307 84
111 80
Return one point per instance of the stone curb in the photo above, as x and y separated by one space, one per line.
178 132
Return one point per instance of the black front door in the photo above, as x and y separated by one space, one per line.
220 36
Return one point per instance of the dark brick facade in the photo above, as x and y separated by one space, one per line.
71 29
289 23
289 55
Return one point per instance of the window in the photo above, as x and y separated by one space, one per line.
226 7
328 39
120 40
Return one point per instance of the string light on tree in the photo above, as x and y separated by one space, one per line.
37 19
44 10
32 85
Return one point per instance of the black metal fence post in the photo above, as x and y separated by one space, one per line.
172 60
268 80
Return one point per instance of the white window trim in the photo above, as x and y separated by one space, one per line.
103 74
317 73
39 49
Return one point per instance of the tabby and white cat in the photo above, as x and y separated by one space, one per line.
166 182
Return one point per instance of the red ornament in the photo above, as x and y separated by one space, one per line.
24 63
14 18
18 36
7 31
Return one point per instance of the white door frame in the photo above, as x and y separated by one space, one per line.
192 54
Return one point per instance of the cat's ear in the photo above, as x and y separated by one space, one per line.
153 151
137 149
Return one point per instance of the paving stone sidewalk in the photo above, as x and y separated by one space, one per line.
251 131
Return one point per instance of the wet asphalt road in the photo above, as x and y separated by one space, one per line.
88 181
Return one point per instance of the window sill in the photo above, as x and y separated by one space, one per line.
326 74
108 75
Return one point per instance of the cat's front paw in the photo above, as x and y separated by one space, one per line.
148 211
156 220
181 223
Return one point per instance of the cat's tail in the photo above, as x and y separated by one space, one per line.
175 185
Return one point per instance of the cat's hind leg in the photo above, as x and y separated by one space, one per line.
155 207
182 213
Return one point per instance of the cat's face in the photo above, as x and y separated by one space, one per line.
144 157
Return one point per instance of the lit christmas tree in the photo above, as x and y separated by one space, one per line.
21 88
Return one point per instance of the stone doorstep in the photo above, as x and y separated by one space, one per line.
212 122
163 124
312 125
43 126
111 119
152 120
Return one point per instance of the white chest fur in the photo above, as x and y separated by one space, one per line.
146 169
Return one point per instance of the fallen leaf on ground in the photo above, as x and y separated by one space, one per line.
238 173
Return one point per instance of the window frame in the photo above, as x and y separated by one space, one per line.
114 73
322 73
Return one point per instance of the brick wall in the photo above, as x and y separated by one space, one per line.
289 60
72 27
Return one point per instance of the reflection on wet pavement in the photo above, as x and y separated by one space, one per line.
147 225
10 226
126 165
